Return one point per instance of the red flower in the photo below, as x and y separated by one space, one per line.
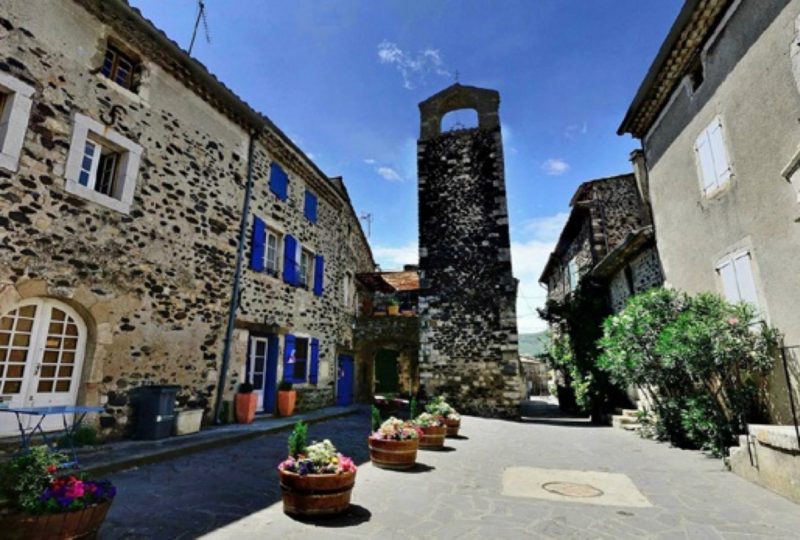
51 469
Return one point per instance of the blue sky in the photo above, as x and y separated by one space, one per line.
343 79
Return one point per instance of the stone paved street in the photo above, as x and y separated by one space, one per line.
232 492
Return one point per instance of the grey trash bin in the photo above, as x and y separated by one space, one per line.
155 410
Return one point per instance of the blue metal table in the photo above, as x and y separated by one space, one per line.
27 434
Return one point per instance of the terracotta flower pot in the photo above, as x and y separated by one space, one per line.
316 494
82 523
286 401
246 405
433 437
392 310
388 454
452 427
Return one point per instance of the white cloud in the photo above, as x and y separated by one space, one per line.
389 174
412 67
529 256
369 161
573 130
555 166
394 257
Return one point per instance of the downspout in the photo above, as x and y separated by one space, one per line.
237 275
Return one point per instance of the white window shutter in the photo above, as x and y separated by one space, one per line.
728 276
722 167
706 160
744 279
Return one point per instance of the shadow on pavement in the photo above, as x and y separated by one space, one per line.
355 515
442 449
545 411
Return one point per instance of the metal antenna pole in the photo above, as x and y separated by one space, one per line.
201 15
368 218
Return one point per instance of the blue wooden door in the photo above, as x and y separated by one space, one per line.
344 381
271 375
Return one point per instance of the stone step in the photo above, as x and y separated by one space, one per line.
631 413
631 427
620 420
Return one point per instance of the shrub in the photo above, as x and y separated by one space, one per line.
284 386
246 388
298 439
699 359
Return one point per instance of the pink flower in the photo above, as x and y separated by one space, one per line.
733 321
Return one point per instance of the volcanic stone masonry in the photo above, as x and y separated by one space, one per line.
468 323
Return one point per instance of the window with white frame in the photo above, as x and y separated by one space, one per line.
736 273
102 165
272 252
572 274
348 288
306 268
712 158
120 67
15 109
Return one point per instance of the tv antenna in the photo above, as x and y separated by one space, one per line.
368 218
201 16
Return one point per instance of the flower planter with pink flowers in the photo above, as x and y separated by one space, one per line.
433 431
316 480
394 444
44 505
452 420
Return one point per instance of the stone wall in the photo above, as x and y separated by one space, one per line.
468 330
153 285
644 274
400 334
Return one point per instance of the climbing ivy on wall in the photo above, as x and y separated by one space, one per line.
577 324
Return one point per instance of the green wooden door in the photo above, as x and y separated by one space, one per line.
386 377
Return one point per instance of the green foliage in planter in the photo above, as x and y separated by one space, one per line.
246 388
699 359
284 386
25 477
83 436
376 418
298 439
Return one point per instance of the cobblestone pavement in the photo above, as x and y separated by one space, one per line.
232 492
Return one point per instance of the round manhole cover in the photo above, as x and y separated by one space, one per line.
570 489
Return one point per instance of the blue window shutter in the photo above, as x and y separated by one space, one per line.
289 260
311 207
313 373
258 241
288 351
278 181
319 274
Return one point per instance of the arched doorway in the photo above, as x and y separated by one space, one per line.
42 348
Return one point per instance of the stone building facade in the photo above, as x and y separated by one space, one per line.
720 166
468 325
608 238
124 168
717 119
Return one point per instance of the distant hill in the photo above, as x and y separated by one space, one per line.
533 344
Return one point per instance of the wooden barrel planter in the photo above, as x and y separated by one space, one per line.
83 523
452 427
433 437
316 494
388 454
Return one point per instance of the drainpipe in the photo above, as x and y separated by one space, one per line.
237 275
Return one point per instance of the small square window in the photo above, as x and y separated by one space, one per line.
99 168
102 166
120 67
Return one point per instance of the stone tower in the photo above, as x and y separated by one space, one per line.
468 320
